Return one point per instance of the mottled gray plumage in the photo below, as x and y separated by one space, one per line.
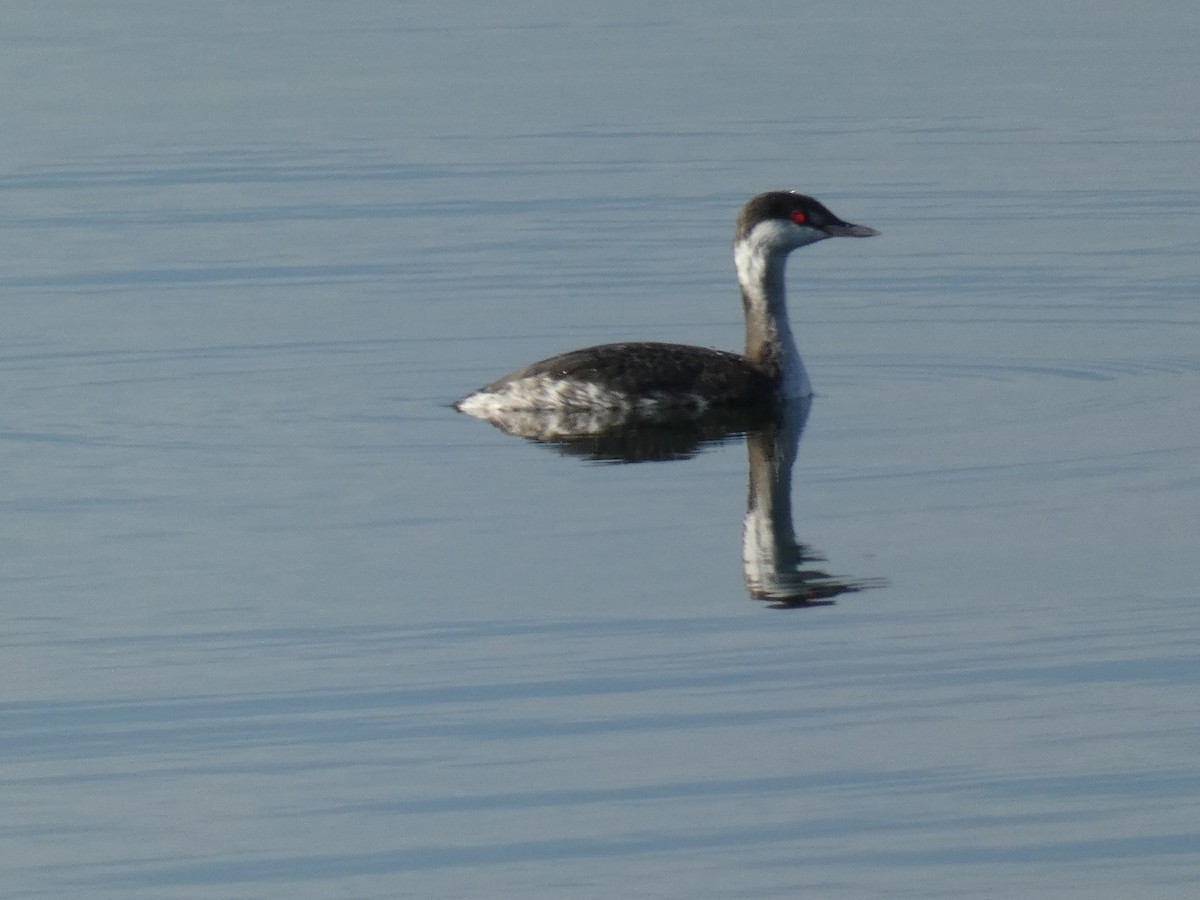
644 375
654 370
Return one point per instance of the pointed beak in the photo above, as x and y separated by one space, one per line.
845 229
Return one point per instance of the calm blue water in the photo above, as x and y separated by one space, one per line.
276 621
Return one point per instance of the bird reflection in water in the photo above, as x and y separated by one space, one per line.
775 565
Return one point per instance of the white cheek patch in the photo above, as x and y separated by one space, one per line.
767 244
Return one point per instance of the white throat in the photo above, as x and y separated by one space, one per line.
760 258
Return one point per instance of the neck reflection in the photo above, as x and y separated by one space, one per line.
776 566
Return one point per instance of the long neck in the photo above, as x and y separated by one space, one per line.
769 342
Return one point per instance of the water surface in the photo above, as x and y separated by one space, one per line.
277 620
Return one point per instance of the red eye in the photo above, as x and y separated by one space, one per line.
799 217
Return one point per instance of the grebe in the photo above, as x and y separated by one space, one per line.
654 378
